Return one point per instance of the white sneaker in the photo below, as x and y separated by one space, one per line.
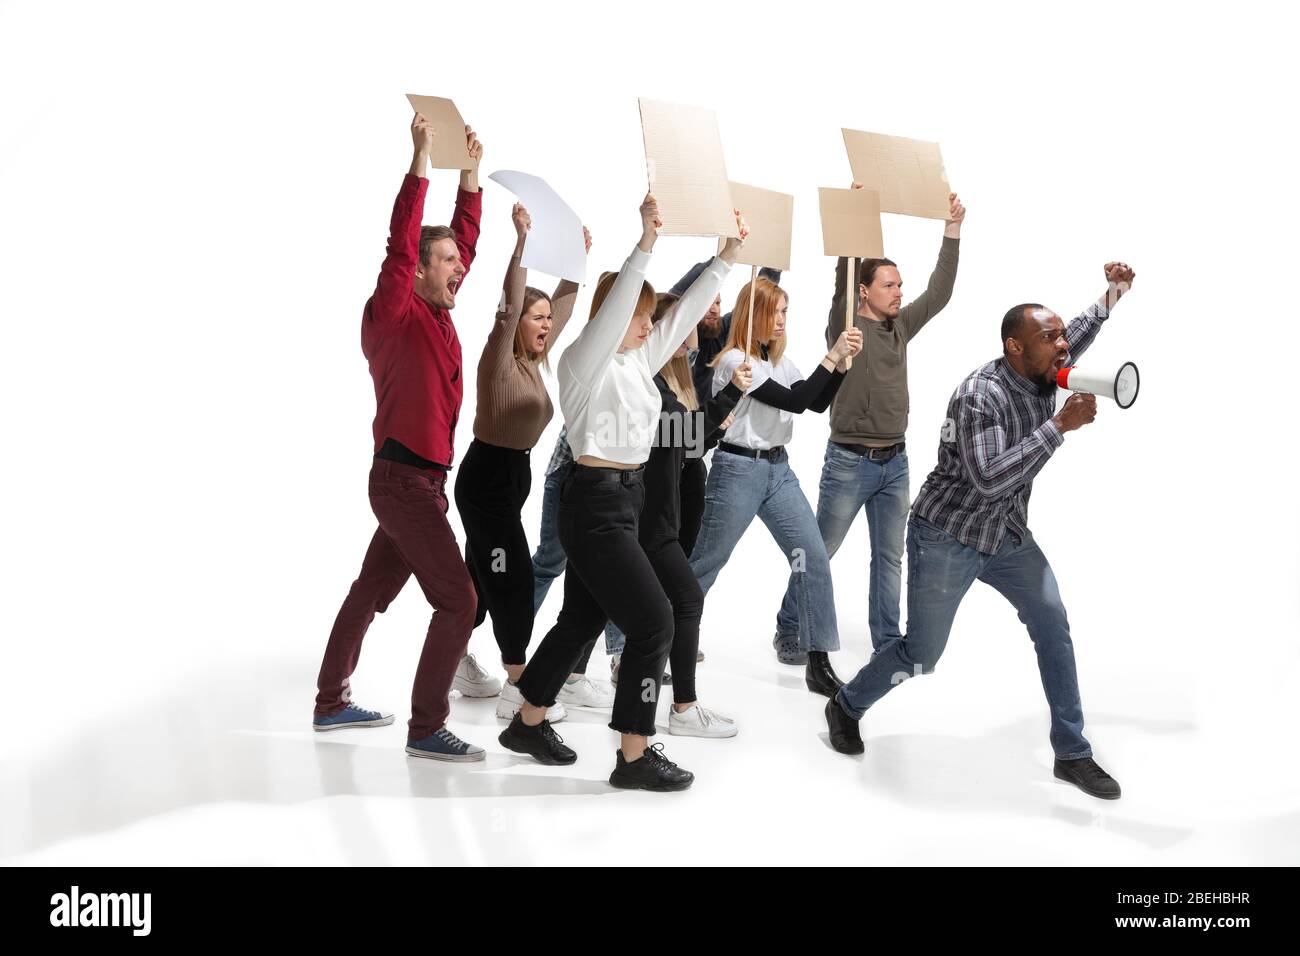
473 681
511 700
585 692
699 722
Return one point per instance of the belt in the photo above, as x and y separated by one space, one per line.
874 454
771 454
597 474
394 450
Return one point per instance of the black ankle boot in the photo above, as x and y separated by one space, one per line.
843 729
820 676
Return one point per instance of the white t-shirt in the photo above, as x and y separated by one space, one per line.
609 399
757 425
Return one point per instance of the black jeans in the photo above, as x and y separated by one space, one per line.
609 576
491 488
695 476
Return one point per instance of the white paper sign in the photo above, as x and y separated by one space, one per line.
554 244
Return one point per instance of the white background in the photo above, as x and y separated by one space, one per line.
193 208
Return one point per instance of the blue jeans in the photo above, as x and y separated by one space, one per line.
740 489
849 482
940 570
549 559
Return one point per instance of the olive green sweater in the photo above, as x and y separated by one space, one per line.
871 406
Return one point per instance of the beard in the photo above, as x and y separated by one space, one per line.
709 328
1047 383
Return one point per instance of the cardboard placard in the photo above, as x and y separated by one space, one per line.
851 223
908 173
688 177
554 244
450 151
770 218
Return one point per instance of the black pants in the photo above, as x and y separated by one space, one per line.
491 488
682 588
694 477
609 576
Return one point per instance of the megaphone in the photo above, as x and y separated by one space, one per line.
1121 387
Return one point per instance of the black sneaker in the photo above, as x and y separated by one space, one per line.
1088 777
820 676
541 743
845 737
652 771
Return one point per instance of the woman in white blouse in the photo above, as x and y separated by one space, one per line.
611 409
751 475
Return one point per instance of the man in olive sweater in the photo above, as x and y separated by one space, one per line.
866 464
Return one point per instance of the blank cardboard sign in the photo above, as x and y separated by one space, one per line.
683 155
908 173
851 223
450 151
770 217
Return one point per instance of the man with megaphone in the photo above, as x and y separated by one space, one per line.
970 521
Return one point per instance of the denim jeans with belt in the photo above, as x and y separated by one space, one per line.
742 488
850 482
940 571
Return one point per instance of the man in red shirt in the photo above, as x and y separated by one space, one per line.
411 345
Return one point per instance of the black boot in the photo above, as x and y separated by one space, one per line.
651 771
541 743
1088 777
820 676
845 737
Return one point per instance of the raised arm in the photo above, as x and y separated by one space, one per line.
563 300
397 274
598 343
938 291
835 320
469 206
670 331
1083 328
499 352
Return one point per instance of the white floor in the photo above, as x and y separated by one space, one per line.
224 768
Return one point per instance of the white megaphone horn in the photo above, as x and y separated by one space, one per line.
1120 387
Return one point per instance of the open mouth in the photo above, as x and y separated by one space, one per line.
453 285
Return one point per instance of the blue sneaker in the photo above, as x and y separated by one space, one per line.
352 716
444 745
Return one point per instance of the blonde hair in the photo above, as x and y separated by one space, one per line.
677 370
768 297
645 301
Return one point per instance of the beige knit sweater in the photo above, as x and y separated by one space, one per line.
513 406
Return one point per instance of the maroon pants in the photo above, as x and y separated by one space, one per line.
413 537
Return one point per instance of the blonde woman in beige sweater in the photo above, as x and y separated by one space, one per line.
492 485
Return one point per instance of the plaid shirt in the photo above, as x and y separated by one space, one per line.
562 455
998 435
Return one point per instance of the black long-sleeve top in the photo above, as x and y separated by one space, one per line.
661 515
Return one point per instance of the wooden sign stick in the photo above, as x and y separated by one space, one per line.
749 328
850 301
